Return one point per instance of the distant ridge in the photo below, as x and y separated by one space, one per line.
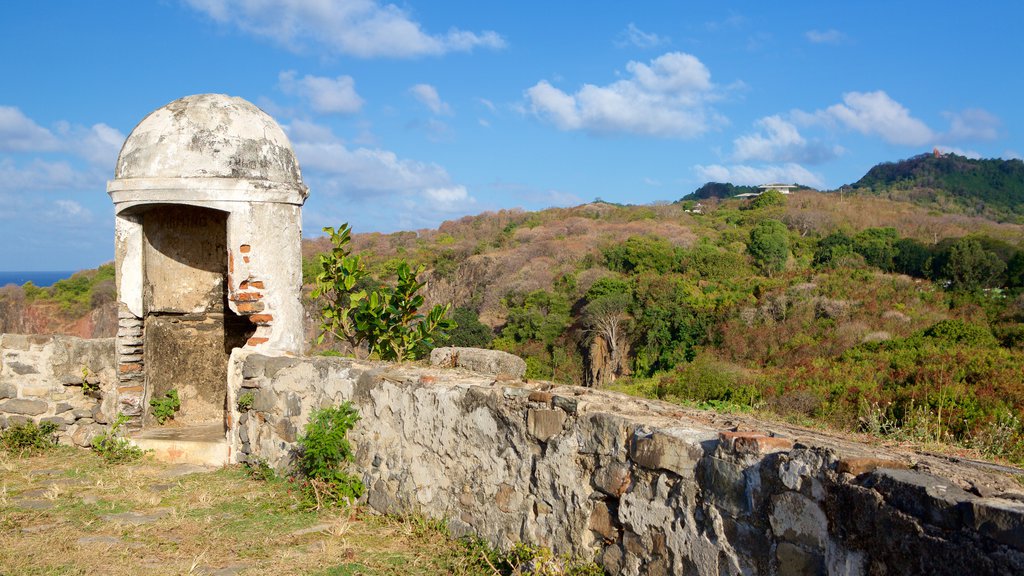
993 188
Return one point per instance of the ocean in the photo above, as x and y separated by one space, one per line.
37 278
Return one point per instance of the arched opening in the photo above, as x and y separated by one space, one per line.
189 331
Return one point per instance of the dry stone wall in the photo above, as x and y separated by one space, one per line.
644 487
61 379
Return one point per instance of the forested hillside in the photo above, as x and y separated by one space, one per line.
861 312
855 311
990 187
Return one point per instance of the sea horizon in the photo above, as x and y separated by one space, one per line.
36 277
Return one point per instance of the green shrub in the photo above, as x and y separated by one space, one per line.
960 332
29 438
324 453
113 447
164 408
245 401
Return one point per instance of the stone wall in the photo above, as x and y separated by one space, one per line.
42 377
645 487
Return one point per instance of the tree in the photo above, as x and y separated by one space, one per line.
970 267
832 248
606 316
769 245
641 253
386 319
540 315
877 246
767 199
469 331
912 258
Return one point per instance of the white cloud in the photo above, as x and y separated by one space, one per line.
637 37
780 141
39 174
754 175
371 174
99 145
325 95
449 199
427 95
666 98
973 154
830 36
875 113
362 28
973 124
19 133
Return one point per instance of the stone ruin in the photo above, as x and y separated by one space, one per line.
208 199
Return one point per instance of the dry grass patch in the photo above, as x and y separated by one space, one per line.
66 512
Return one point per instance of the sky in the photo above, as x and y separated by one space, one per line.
404 115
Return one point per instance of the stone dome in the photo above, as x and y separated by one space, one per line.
209 136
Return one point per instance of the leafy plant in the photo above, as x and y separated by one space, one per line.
324 453
387 319
391 322
29 438
258 469
165 407
88 388
245 401
113 447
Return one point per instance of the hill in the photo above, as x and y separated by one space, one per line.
990 187
859 311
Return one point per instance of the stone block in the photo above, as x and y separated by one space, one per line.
613 479
491 362
603 522
795 561
8 391
727 485
58 421
254 366
508 499
275 364
62 407
660 451
753 443
858 466
565 403
934 500
36 390
18 420
29 407
265 400
999 519
605 434
798 519
545 424
21 369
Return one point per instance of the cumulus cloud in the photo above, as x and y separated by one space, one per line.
666 98
973 124
324 95
19 133
99 145
409 193
780 141
875 113
633 36
427 95
830 36
362 28
755 175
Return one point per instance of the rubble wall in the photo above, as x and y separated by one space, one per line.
642 486
61 379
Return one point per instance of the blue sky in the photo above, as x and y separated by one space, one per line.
405 115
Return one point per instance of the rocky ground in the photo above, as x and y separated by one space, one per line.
67 512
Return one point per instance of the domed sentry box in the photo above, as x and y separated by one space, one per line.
208 200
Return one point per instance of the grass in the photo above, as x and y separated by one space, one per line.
57 516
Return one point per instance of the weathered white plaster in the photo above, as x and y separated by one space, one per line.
128 250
